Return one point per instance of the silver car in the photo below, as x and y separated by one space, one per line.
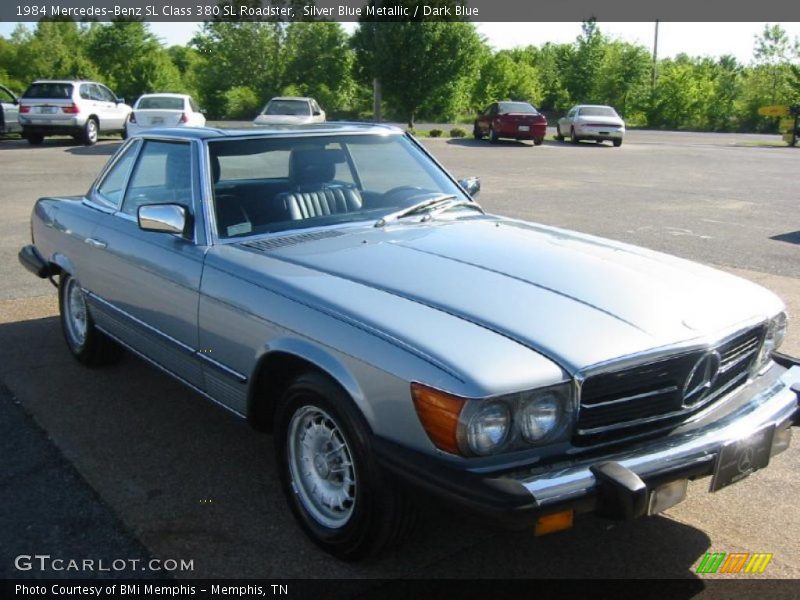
81 109
291 110
9 107
591 122
334 285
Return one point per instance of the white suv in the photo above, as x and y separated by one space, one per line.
82 109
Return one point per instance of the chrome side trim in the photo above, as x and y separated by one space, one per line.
239 377
172 374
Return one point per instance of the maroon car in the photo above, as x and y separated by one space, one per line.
515 120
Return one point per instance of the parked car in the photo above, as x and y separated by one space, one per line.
82 109
290 110
515 120
9 107
334 285
163 110
591 122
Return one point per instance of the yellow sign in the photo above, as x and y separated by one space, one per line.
787 123
774 111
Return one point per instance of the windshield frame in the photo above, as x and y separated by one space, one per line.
207 185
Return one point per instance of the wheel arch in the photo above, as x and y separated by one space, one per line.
282 362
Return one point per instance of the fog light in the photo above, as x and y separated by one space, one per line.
667 495
555 522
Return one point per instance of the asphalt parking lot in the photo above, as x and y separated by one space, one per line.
170 475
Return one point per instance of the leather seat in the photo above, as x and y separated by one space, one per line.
316 193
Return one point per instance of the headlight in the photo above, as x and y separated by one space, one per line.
488 428
480 427
540 417
776 332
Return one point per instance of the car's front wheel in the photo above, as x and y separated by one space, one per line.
85 342
339 495
559 137
476 132
493 137
572 137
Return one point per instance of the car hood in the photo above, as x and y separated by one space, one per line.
578 299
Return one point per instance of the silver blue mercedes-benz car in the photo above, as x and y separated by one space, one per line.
334 285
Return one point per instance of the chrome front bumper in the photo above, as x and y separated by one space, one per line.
691 454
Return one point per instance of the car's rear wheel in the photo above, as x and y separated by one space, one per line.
572 137
538 141
34 139
90 132
617 143
85 342
339 495
493 135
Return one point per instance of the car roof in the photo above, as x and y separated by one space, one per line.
594 106
306 98
65 81
335 127
167 94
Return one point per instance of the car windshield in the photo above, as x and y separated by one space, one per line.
265 185
287 107
517 107
160 103
597 111
49 90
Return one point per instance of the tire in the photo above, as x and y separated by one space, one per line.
617 143
493 138
318 424
476 132
85 342
572 137
124 133
34 139
90 132
559 137
538 141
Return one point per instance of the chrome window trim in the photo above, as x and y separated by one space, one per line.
96 196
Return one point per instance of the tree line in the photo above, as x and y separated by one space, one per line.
434 71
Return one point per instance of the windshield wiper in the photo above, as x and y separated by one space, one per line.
453 204
443 202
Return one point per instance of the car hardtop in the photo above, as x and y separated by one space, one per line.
214 133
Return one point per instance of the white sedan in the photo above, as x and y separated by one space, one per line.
290 110
163 110
591 122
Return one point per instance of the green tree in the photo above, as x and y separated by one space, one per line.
417 62
131 59
507 76
55 49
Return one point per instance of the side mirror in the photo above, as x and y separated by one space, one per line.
120 100
163 218
471 185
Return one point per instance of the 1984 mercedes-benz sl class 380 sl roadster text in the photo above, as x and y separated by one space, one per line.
336 286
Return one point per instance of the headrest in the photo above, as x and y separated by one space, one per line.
314 165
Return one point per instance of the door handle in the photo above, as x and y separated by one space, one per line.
94 243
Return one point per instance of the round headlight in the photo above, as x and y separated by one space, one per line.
540 417
488 428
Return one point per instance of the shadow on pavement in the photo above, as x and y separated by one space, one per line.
106 149
192 482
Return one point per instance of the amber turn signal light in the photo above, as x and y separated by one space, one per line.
438 411
555 522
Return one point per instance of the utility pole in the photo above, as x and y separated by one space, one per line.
655 59
376 100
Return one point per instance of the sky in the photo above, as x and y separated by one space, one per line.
695 39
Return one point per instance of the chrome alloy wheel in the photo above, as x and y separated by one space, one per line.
321 467
76 315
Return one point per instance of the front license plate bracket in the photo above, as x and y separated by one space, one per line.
738 459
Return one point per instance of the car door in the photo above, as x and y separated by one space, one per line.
114 112
565 122
485 119
9 111
147 284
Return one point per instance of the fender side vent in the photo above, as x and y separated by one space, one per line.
291 240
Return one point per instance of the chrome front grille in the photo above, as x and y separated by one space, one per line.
650 397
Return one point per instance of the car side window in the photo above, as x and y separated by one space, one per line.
5 96
85 92
571 113
112 187
193 105
106 95
162 174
